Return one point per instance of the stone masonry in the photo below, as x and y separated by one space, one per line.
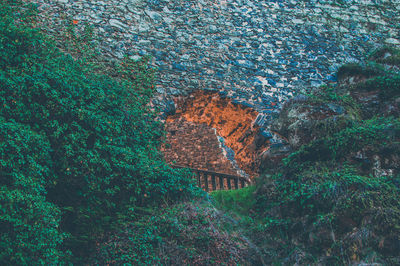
256 52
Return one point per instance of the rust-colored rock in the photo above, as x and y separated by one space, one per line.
196 146
232 121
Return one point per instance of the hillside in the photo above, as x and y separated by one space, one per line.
329 191
83 176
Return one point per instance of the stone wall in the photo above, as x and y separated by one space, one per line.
256 52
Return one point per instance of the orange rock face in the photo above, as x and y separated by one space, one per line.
233 122
196 146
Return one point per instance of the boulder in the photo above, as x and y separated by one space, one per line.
303 120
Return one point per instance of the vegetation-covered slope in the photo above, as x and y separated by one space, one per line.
330 191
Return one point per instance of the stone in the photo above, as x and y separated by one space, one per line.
392 41
133 5
213 29
302 121
298 21
337 109
144 27
144 43
178 66
170 108
154 15
277 151
135 57
118 24
232 124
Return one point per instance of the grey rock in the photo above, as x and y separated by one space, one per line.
118 24
154 15
144 27
392 41
133 5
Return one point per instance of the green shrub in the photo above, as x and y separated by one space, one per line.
323 201
96 156
29 223
351 139
386 55
388 86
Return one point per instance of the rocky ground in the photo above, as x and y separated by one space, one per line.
256 52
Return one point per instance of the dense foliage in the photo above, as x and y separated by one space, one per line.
29 224
78 148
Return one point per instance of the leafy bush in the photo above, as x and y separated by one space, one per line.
29 224
325 209
331 206
388 86
371 132
333 201
85 143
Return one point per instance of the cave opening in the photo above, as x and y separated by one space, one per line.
210 132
